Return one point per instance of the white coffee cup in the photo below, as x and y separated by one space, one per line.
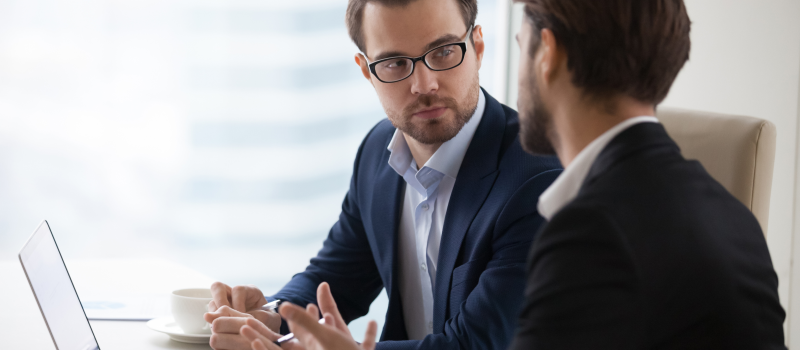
188 307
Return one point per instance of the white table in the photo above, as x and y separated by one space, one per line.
22 326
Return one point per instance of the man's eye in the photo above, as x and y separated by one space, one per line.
395 64
445 51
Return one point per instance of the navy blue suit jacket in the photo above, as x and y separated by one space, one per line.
487 233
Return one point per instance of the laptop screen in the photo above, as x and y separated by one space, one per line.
55 293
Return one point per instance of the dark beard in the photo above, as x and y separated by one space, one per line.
438 130
536 125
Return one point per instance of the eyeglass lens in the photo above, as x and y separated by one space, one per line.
442 58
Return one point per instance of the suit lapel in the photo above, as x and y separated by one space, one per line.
473 184
387 201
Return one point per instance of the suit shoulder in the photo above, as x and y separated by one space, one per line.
510 113
582 215
382 132
376 141
525 198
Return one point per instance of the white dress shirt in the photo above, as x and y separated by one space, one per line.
564 189
424 207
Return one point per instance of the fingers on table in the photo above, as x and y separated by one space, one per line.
260 345
262 329
224 311
226 341
229 325
262 315
239 298
221 293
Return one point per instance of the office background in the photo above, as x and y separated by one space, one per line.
220 134
217 133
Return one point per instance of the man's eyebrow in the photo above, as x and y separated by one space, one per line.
388 54
442 40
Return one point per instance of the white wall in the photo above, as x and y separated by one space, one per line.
745 60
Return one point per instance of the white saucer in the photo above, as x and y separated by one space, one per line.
167 325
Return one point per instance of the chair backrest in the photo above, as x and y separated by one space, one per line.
739 152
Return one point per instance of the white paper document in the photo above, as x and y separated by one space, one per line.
130 290
134 307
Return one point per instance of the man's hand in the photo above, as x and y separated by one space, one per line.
245 299
239 298
230 309
309 334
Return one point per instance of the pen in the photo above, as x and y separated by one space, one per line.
273 305
290 336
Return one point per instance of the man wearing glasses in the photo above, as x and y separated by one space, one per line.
441 209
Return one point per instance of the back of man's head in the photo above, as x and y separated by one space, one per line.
630 47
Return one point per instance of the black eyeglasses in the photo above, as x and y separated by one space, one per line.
394 69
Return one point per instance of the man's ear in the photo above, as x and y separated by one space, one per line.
361 61
550 57
477 39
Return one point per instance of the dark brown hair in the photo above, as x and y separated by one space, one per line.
631 47
354 17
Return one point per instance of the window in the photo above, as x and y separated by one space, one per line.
204 132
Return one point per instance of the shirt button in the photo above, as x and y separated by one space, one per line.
423 267
425 206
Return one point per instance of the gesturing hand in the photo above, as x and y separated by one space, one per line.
309 334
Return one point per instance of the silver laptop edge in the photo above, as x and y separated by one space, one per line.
27 277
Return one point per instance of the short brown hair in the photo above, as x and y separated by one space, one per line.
354 17
632 47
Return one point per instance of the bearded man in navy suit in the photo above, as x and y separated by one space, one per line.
441 209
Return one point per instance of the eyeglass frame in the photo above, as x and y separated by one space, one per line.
414 60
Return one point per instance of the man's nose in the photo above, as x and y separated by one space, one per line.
423 80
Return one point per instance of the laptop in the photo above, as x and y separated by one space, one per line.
56 295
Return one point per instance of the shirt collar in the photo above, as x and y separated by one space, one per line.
447 159
566 186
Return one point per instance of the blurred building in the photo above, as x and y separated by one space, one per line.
219 134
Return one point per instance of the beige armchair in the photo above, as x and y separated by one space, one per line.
737 151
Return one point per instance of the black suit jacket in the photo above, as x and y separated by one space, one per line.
652 254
